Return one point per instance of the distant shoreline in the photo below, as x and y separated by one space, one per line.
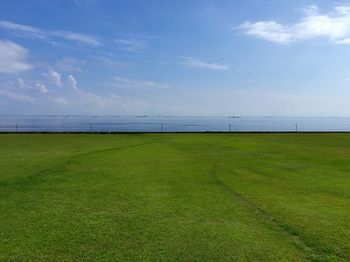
174 116
172 132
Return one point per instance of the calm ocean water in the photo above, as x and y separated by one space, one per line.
169 123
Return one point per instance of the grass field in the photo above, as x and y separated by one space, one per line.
175 197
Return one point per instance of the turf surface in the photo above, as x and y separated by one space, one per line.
175 197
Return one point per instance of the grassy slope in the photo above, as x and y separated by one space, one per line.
271 197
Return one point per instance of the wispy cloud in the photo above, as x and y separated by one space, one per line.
54 77
72 82
131 44
60 100
69 64
13 58
15 96
111 62
37 87
41 88
22 84
192 62
334 25
23 29
123 82
70 97
48 35
78 37
107 101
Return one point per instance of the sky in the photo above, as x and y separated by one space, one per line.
162 57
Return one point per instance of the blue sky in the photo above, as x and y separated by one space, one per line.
160 57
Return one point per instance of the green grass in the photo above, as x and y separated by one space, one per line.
175 197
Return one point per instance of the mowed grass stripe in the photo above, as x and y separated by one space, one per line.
31 180
158 198
314 252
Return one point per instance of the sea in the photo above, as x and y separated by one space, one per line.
82 123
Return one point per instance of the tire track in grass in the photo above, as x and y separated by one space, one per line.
29 182
313 253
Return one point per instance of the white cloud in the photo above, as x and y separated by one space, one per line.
41 88
72 83
21 84
334 26
69 64
25 29
85 99
192 62
78 37
345 41
345 10
268 30
111 62
311 10
108 103
69 98
133 45
15 96
13 58
60 100
123 82
24 86
35 32
54 77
